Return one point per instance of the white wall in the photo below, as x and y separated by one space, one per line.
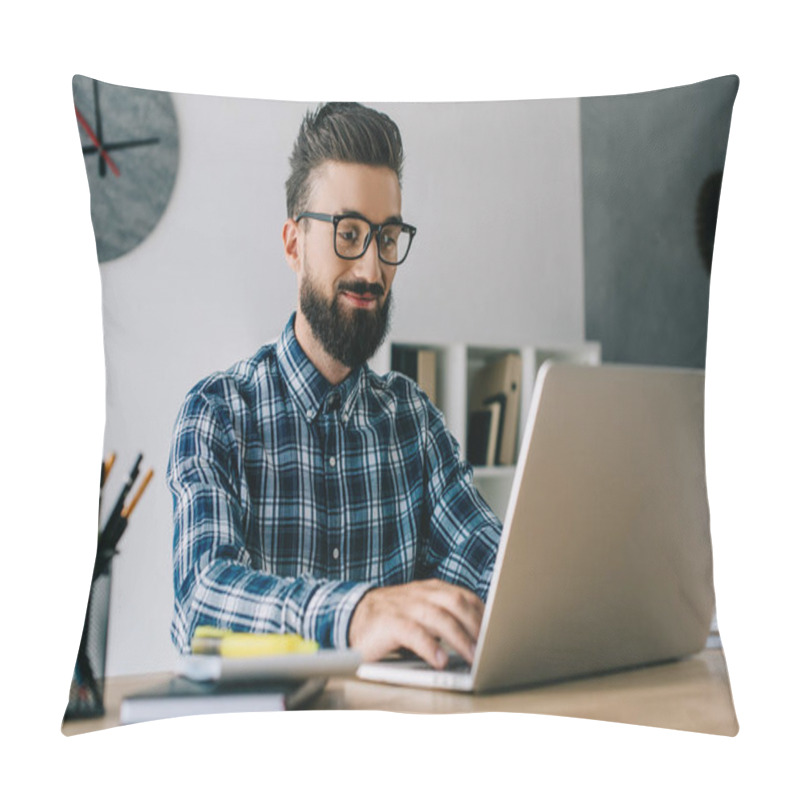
495 192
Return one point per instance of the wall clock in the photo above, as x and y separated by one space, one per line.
130 146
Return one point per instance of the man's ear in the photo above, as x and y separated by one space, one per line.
291 244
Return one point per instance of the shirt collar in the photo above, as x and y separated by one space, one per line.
309 387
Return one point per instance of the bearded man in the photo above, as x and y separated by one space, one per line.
311 495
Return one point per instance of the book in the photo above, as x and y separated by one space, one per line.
496 410
419 364
497 402
478 437
324 663
501 377
426 373
180 697
483 436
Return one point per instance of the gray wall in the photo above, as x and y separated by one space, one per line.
645 158
495 191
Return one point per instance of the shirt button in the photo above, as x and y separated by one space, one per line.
309 415
332 461
335 553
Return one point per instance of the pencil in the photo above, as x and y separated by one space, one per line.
139 492
113 532
104 470
122 523
107 464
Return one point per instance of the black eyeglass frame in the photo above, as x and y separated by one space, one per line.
374 229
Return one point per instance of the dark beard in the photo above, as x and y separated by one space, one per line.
350 336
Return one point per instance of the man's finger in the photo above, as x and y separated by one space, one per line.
417 638
462 604
441 624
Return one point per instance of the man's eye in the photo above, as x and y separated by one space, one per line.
350 231
390 236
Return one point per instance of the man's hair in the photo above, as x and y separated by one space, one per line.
347 132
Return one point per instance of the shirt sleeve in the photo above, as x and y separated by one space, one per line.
464 532
213 577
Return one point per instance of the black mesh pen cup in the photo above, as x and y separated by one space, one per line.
88 679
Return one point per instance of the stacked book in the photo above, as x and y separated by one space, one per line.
181 697
494 412
229 672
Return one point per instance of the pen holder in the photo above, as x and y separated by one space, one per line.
88 679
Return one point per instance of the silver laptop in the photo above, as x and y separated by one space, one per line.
605 556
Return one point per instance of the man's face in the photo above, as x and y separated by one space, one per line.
346 303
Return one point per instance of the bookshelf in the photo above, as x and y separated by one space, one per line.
458 367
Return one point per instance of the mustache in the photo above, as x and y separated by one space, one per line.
362 287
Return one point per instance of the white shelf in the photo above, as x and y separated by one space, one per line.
494 473
457 365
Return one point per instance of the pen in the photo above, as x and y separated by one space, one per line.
118 520
116 513
115 534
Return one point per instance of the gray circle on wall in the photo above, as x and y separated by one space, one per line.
130 146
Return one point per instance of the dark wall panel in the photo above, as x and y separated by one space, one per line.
647 232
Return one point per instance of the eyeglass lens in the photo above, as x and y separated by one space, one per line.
350 239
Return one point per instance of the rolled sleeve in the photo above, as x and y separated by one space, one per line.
214 580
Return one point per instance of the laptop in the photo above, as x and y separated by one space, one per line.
605 557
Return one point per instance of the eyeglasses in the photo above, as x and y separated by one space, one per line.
352 235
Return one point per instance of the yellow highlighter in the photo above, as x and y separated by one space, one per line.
209 640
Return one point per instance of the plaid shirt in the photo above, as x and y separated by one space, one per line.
293 497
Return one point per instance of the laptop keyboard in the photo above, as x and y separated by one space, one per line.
455 662
459 664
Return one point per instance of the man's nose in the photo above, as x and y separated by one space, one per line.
369 267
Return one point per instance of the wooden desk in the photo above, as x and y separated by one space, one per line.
690 695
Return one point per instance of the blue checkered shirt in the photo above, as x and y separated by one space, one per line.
292 497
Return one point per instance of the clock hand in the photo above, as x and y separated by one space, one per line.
133 143
98 124
104 156
90 149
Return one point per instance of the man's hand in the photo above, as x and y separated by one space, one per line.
419 616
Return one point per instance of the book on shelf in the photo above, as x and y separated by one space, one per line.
179 697
500 380
497 405
419 364
483 437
